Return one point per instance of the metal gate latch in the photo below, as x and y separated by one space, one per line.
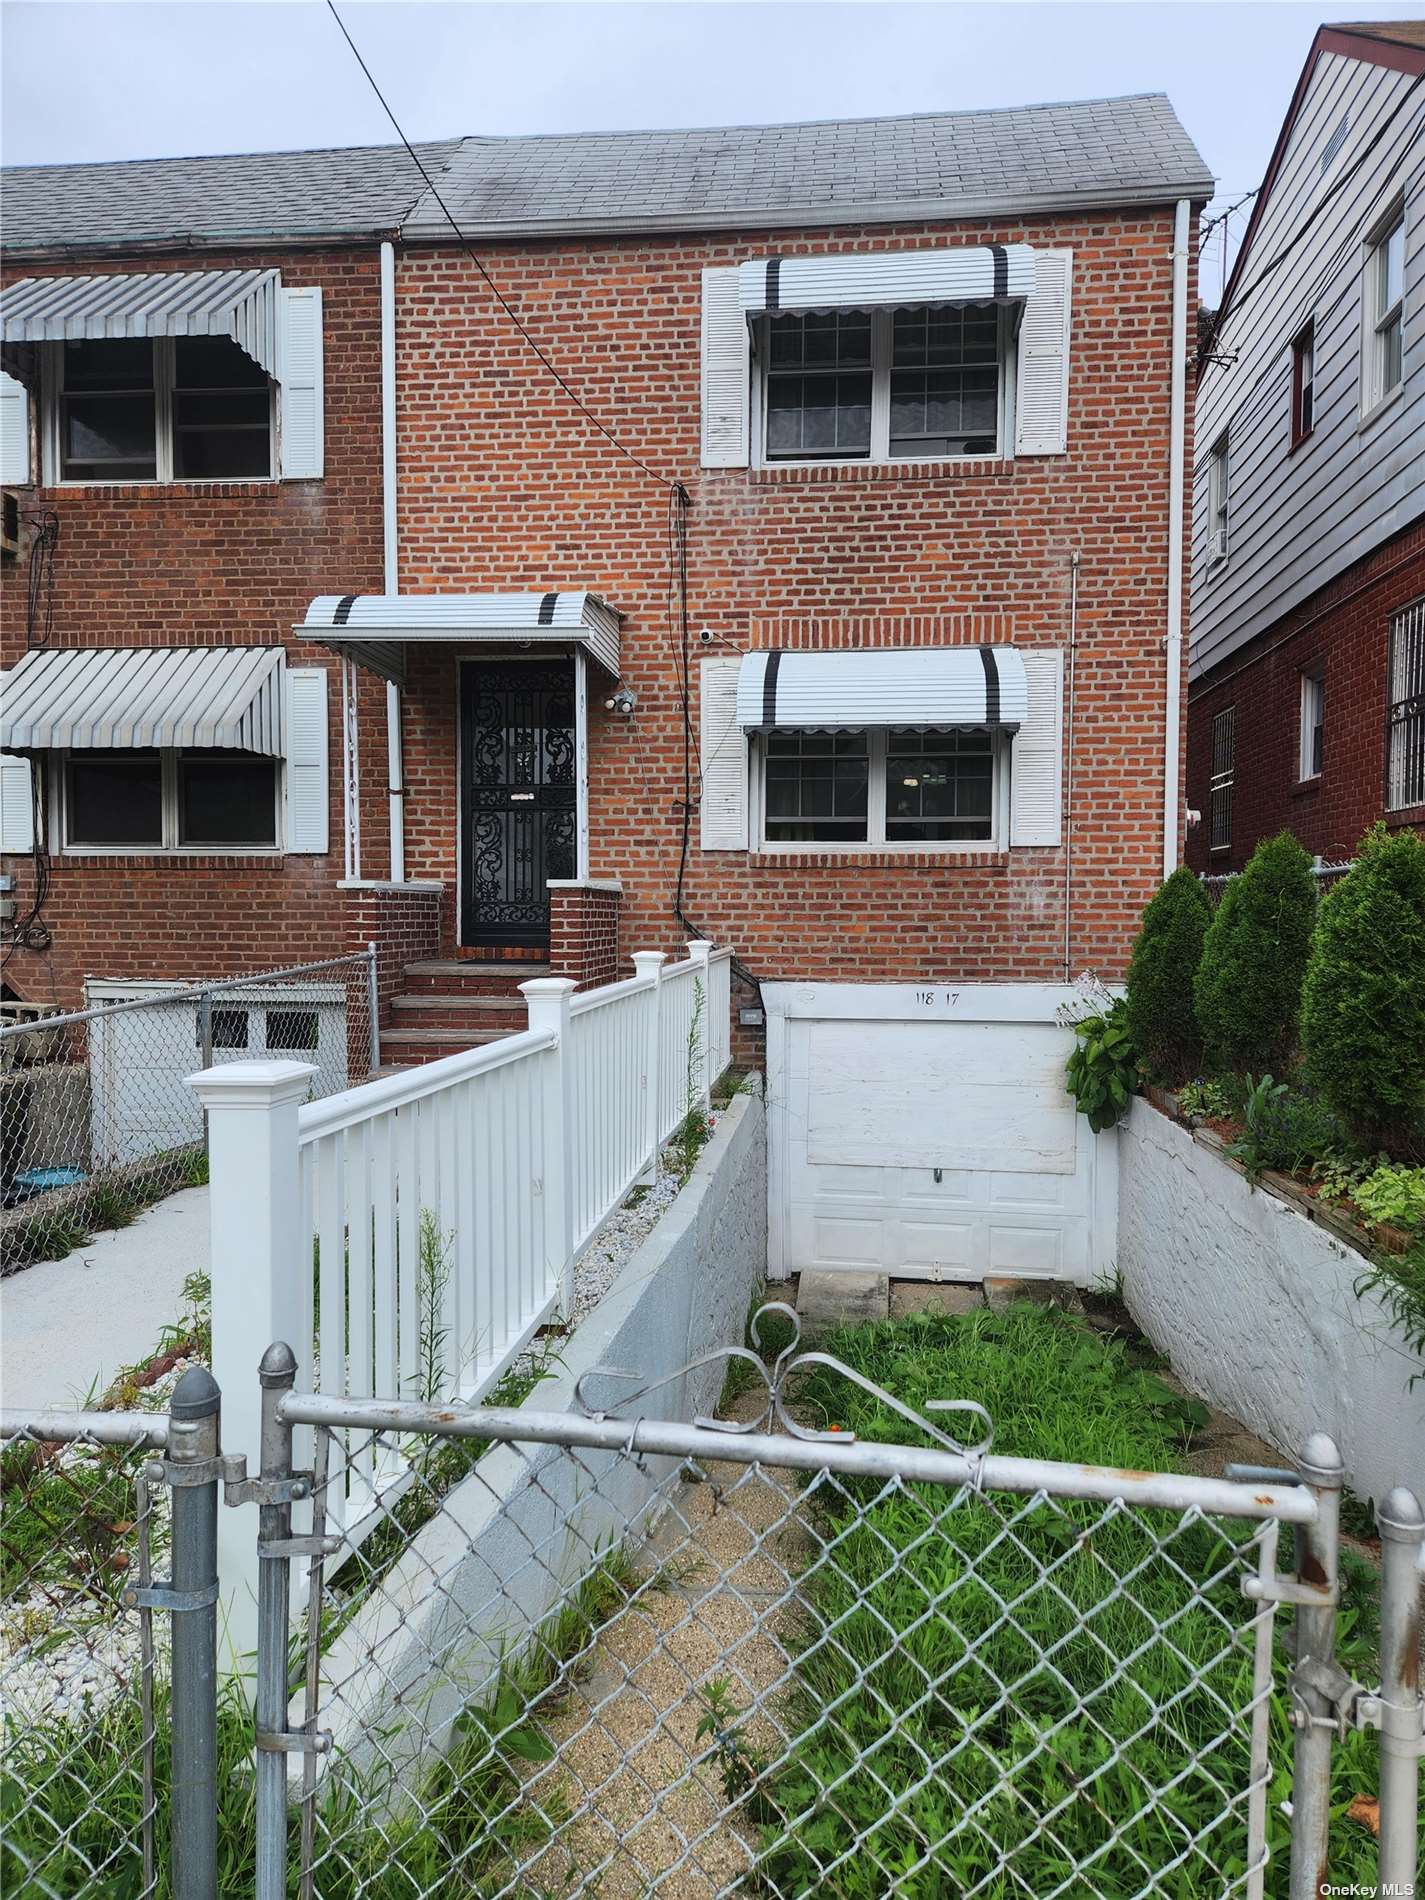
163 1596
1352 1705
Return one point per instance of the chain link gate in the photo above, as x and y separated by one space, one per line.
569 1653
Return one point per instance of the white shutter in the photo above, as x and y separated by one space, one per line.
723 753
727 372
14 432
299 364
308 792
17 804
1041 397
1036 759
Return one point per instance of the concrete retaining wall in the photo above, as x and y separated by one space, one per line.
1255 1306
508 1542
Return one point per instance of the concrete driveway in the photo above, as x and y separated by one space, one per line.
68 1326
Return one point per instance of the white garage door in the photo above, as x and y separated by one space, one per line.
926 1133
139 1059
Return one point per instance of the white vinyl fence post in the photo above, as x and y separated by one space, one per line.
548 1001
255 1261
700 950
648 968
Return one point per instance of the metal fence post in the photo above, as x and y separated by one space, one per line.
1402 1600
648 966
547 998
205 1030
276 1375
373 1006
192 1458
1314 1714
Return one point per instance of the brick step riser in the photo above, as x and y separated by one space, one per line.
438 1014
503 986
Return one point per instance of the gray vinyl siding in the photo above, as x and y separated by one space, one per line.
1298 519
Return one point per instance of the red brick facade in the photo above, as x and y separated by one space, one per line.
506 486
1343 631
584 933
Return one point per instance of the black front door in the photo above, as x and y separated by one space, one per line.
517 791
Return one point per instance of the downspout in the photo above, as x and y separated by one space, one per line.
1177 455
389 551
1069 762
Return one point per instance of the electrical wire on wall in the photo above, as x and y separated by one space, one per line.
30 932
39 597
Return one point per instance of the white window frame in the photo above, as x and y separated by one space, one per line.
875 839
882 322
1312 721
1377 319
170 847
1223 779
164 370
1219 500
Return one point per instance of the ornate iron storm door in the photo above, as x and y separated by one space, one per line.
518 792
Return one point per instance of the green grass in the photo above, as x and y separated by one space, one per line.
1107 1693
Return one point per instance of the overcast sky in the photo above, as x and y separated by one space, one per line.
130 80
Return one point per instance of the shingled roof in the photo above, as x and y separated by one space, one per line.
1096 152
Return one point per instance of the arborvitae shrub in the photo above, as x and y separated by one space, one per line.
1248 989
1161 1012
1363 1007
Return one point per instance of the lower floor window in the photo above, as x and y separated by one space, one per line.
169 800
1405 717
899 785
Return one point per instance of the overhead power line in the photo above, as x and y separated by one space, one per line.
499 295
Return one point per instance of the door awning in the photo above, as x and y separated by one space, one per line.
229 698
989 273
241 304
922 687
374 630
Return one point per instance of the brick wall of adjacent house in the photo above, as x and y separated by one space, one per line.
213 564
1343 631
584 933
506 486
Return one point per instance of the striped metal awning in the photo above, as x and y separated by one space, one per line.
374 630
241 304
928 688
864 280
229 698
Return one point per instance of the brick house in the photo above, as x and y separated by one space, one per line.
1307 695
769 535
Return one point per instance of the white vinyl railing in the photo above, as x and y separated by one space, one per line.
408 1238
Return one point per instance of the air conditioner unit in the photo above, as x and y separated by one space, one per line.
1217 545
9 524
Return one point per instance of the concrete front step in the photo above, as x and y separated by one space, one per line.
457 976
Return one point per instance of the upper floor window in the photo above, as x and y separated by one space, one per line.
1313 725
884 385
1405 718
1217 474
1224 774
1303 383
1385 302
166 409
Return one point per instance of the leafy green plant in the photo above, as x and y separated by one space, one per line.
1283 1129
433 1271
1248 986
1398 1280
691 1135
1162 1017
1103 1067
1210 1098
1363 1005
1393 1195
739 1764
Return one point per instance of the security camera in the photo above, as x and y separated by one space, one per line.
707 634
621 701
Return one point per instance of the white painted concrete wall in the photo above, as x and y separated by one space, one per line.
1255 1306
477 1580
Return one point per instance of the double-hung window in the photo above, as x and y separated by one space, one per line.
885 385
1384 311
1313 726
1224 761
884 786
1303 383
1218 469
162 409
1405 718
169 800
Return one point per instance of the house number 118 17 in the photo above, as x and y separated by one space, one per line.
927 998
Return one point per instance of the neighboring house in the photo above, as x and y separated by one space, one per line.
836 615
1307 702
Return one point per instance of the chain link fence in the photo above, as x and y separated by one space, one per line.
1214 883
96 1118
583 1653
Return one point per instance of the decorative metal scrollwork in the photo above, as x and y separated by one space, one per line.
775 1415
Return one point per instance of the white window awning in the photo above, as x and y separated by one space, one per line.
374 630
922 687
241 304
227 698
863 280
